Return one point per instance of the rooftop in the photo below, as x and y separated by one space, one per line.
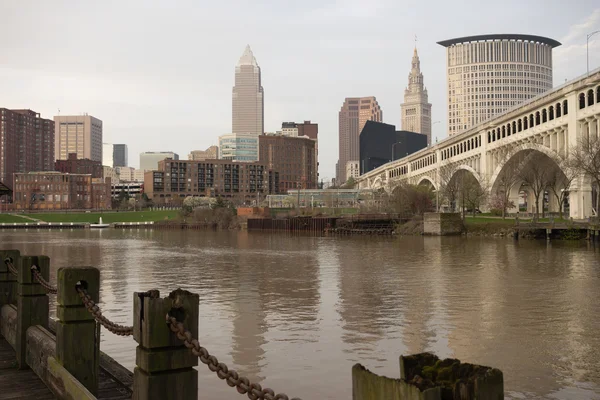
504 36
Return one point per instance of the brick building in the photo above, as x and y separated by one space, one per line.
293 157
241 182
73 165
59 191
26 143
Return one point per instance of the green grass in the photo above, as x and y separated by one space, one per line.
107 217
6 218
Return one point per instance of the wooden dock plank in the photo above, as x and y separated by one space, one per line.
25 384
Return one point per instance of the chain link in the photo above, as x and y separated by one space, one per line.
11 267
93 308
230 376
45 284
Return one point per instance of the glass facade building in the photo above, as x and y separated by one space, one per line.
238 147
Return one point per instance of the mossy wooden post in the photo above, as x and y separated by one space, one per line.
164 366
32 302
77 341
8 282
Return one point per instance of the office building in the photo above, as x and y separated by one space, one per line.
380 143
308 129
489 74
241 147
292 157
149 159
110 172
352 169
416 109
248 96
355 112
26 143
60 191
241 182
120 155
80 166
108 154
212 153
130 174
79 134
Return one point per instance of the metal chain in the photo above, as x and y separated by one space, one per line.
231 377
45 284
10 266
93 308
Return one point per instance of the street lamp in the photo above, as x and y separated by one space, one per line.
432 124
587 49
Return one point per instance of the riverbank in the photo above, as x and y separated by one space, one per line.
92 217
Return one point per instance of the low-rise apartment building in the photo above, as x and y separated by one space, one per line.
60 191
241 182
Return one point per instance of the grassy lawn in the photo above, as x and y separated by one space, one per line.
5 218
107 217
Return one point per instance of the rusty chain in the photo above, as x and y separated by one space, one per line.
231 377
11 267
93 308
45 284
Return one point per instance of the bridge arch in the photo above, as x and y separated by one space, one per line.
427 180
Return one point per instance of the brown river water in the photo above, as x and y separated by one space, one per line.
295 313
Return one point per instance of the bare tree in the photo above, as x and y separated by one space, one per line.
560 180
511 159
585 159
473 192
536 174
449 186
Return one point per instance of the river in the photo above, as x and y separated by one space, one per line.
295 313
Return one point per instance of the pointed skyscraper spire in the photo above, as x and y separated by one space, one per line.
247 57
416 109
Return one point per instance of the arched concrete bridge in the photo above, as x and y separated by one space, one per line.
545 127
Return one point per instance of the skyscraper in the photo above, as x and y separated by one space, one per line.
248 97
488 74
120 155
149 159
416 110
355 112
80 134
26 143
108 157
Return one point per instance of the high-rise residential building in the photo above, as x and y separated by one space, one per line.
293 157
79 134
149 159
212 153
74 165
108 158
248 111
416 109
174 180
26 143
355 112
489 74
120 155
238 147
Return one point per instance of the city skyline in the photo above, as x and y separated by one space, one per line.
139 99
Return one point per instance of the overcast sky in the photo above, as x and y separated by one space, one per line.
159 74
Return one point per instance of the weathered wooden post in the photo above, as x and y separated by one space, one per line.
164 366
32 302
8 282
77 340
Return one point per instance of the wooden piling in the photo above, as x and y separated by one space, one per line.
8 282
77 337
32 302
164 366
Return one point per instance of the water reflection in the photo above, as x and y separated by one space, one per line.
287 310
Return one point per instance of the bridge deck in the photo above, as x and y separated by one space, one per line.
25 384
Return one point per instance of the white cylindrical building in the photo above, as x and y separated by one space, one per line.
489 74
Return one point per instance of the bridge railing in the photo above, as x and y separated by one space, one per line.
165 329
